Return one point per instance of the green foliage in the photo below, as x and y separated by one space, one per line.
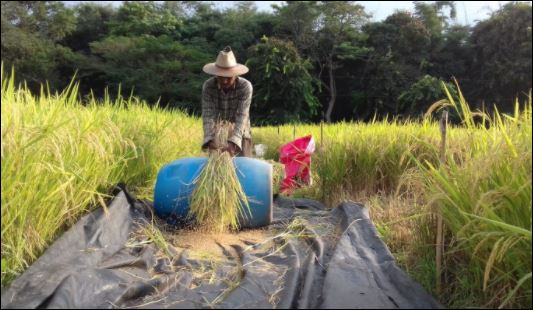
47 43
502 55
399 45
31 31
451 54
325 32
45 19
92 25
296 21
422 94
433 16
137 18
281 79
156 68
203 24
338 27
241 28
339 21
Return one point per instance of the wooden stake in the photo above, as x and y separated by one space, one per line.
321 153
483 111
321 132
440 244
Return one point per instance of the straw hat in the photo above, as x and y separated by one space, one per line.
226 65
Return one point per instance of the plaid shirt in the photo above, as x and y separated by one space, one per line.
233 106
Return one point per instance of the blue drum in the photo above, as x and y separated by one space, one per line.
175 183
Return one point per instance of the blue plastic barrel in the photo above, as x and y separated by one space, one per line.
175 183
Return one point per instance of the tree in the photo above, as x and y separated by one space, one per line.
31 31
452 56
417 99
340 21
433 16
200 29
281 79
158 49
399 56
45 19
242 27
449 51
501 65
297 21
154 68
136 18
91 25
325 31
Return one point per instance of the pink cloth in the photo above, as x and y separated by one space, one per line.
296 156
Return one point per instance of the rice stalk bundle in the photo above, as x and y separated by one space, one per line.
218 202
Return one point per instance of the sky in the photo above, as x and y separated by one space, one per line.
468 12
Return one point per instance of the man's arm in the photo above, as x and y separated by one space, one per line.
242 116
208 116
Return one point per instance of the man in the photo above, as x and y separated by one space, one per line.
227 97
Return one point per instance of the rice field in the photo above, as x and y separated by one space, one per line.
61 157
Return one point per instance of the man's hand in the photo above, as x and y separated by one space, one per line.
232 149
211 146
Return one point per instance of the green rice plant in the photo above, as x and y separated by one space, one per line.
218 201
357 158
488 173
485 200
60 158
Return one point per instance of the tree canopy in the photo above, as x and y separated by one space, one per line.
309 60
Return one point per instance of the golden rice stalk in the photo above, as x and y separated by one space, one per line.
278 174
218 200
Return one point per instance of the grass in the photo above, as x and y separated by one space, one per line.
60 158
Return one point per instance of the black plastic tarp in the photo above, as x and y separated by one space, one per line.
310 257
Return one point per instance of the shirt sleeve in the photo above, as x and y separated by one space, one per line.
208 115
242 115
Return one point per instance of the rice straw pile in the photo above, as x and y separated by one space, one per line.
218 200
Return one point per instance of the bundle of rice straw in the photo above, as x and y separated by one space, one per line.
218 200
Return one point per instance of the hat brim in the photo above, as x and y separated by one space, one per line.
213 69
